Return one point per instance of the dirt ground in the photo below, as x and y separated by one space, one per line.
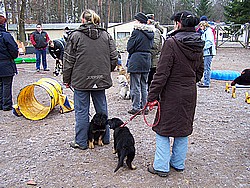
218 154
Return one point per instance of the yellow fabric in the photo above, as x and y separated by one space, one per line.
32 109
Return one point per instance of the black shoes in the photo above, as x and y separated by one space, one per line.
133 111
159 173
176 169
46 69
77 146
6 109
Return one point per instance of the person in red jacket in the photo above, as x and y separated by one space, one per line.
39 40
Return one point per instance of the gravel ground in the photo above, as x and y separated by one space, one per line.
218 154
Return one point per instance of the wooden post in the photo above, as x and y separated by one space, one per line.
247 35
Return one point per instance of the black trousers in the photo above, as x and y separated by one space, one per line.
6 92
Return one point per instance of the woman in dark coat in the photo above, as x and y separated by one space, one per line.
8 52
179 69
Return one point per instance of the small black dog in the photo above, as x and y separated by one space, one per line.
124 143
243 79
97 130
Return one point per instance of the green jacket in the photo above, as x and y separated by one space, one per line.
156 50
88 55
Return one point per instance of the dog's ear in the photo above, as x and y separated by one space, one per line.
115 123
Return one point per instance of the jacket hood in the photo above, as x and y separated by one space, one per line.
91 30
190 42
148 30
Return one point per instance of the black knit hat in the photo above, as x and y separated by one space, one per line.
141 17
186 18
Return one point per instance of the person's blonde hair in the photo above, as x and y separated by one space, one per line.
204 24
91 17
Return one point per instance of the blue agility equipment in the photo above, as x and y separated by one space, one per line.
224 74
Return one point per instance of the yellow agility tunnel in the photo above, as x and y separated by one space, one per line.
50 92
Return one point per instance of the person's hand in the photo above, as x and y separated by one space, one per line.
152 104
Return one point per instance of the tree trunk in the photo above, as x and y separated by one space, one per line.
21 28
107 12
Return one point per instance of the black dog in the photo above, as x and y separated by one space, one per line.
243 79
97 130
124 143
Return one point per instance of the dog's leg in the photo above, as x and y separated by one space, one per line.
130 158
114 149
91 144
100 143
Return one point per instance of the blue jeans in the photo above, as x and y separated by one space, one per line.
138 89
82 104
163 158
6 92
40 53
207 69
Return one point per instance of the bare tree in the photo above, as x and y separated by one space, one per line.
21 22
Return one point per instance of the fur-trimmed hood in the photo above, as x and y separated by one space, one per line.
148 30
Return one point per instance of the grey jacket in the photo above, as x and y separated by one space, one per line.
88 55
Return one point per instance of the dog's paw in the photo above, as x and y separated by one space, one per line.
100 143
114 151
91 145
133 167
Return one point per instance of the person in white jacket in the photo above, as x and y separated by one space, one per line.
208 52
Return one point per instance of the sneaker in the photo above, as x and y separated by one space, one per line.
159 173
77 146
46 69
203 86
37 70
133 111
176 169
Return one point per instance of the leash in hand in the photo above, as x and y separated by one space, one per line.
151 106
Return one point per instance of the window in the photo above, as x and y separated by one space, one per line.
122 34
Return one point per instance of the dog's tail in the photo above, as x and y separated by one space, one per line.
121 159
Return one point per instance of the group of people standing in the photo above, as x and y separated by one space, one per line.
173 70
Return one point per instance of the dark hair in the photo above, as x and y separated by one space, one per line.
186 18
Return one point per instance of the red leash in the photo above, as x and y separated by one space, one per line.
151 105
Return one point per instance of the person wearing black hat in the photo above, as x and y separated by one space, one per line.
179 68
8 52
139 46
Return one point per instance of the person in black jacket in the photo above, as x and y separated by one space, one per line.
139 62
56 50
8 52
